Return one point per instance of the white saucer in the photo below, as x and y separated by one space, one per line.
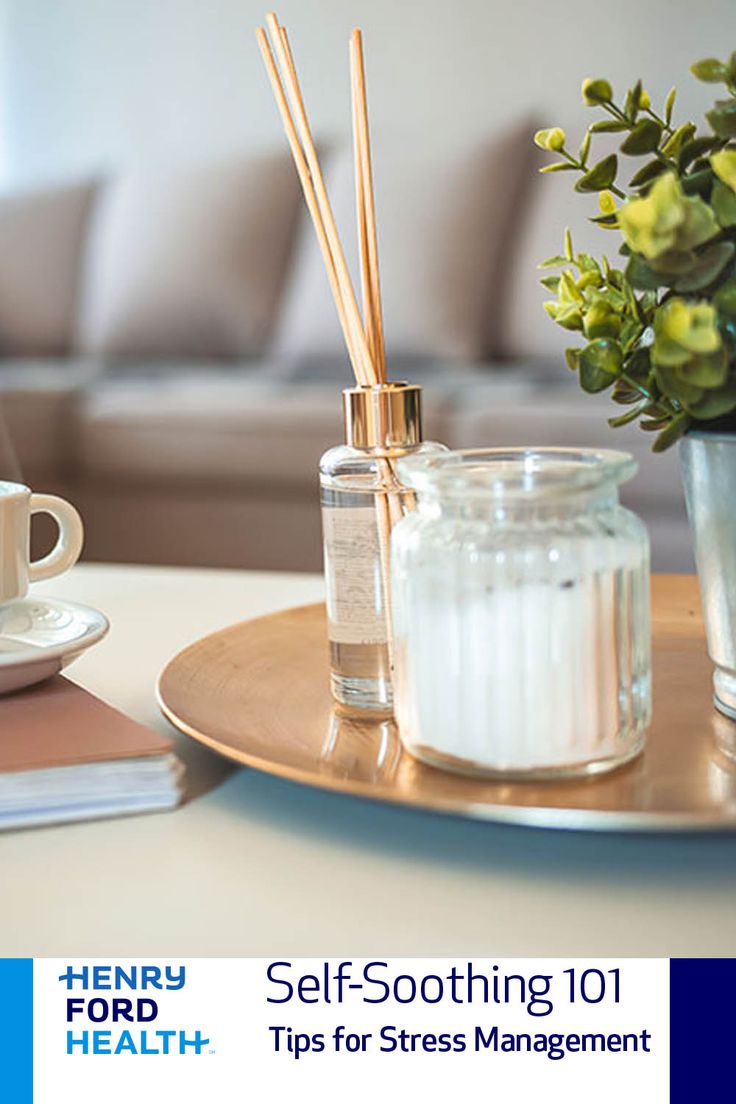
40 636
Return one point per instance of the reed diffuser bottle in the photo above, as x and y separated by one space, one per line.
362 498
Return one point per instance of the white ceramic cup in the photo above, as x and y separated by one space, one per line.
17 570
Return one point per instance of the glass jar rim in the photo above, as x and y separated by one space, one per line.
516 473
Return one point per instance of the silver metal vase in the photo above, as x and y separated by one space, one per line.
709 475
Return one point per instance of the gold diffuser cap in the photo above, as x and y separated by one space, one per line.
388 415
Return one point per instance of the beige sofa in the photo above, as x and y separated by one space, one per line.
171 360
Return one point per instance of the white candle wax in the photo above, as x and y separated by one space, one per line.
524 677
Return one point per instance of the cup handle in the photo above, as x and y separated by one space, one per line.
68 547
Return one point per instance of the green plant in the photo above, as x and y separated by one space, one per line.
660 327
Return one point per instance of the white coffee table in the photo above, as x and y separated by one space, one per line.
255 866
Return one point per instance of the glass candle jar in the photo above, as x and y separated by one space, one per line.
521 613
362 499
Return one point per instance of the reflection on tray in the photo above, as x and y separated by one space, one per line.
260 691
723 767
361 748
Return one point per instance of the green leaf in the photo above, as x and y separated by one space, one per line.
683 330
633 101
550 282
569 251
641 276
607 126
570 293
647 173
723 164
585 147
695 148
557 166
639 365
567 315
608 222
551 138
669 104
593 380
651 425
713 404
706 371
676 141
722 117
644 138
710 70
708 266
587 263
698 183
723 202
596 91
554 262
600 176
607 203
667 220
600 320
676 429
600 363
724 299
628 416
624 395
630 333
572 358
673 263
671 384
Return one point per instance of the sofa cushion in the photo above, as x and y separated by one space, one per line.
41 235
563 417
37 404
10 468
443 228
188 262
202 427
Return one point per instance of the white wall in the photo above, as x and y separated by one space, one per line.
87 85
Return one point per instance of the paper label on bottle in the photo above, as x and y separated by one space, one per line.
353 575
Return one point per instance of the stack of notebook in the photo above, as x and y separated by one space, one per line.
66 755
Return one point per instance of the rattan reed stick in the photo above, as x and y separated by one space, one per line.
390 504
366 210
310 198
288 70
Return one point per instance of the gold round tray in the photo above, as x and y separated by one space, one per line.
258 693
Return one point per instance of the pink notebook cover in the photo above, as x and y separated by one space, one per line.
59 724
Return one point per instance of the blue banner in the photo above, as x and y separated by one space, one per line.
16 1030
701 1029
